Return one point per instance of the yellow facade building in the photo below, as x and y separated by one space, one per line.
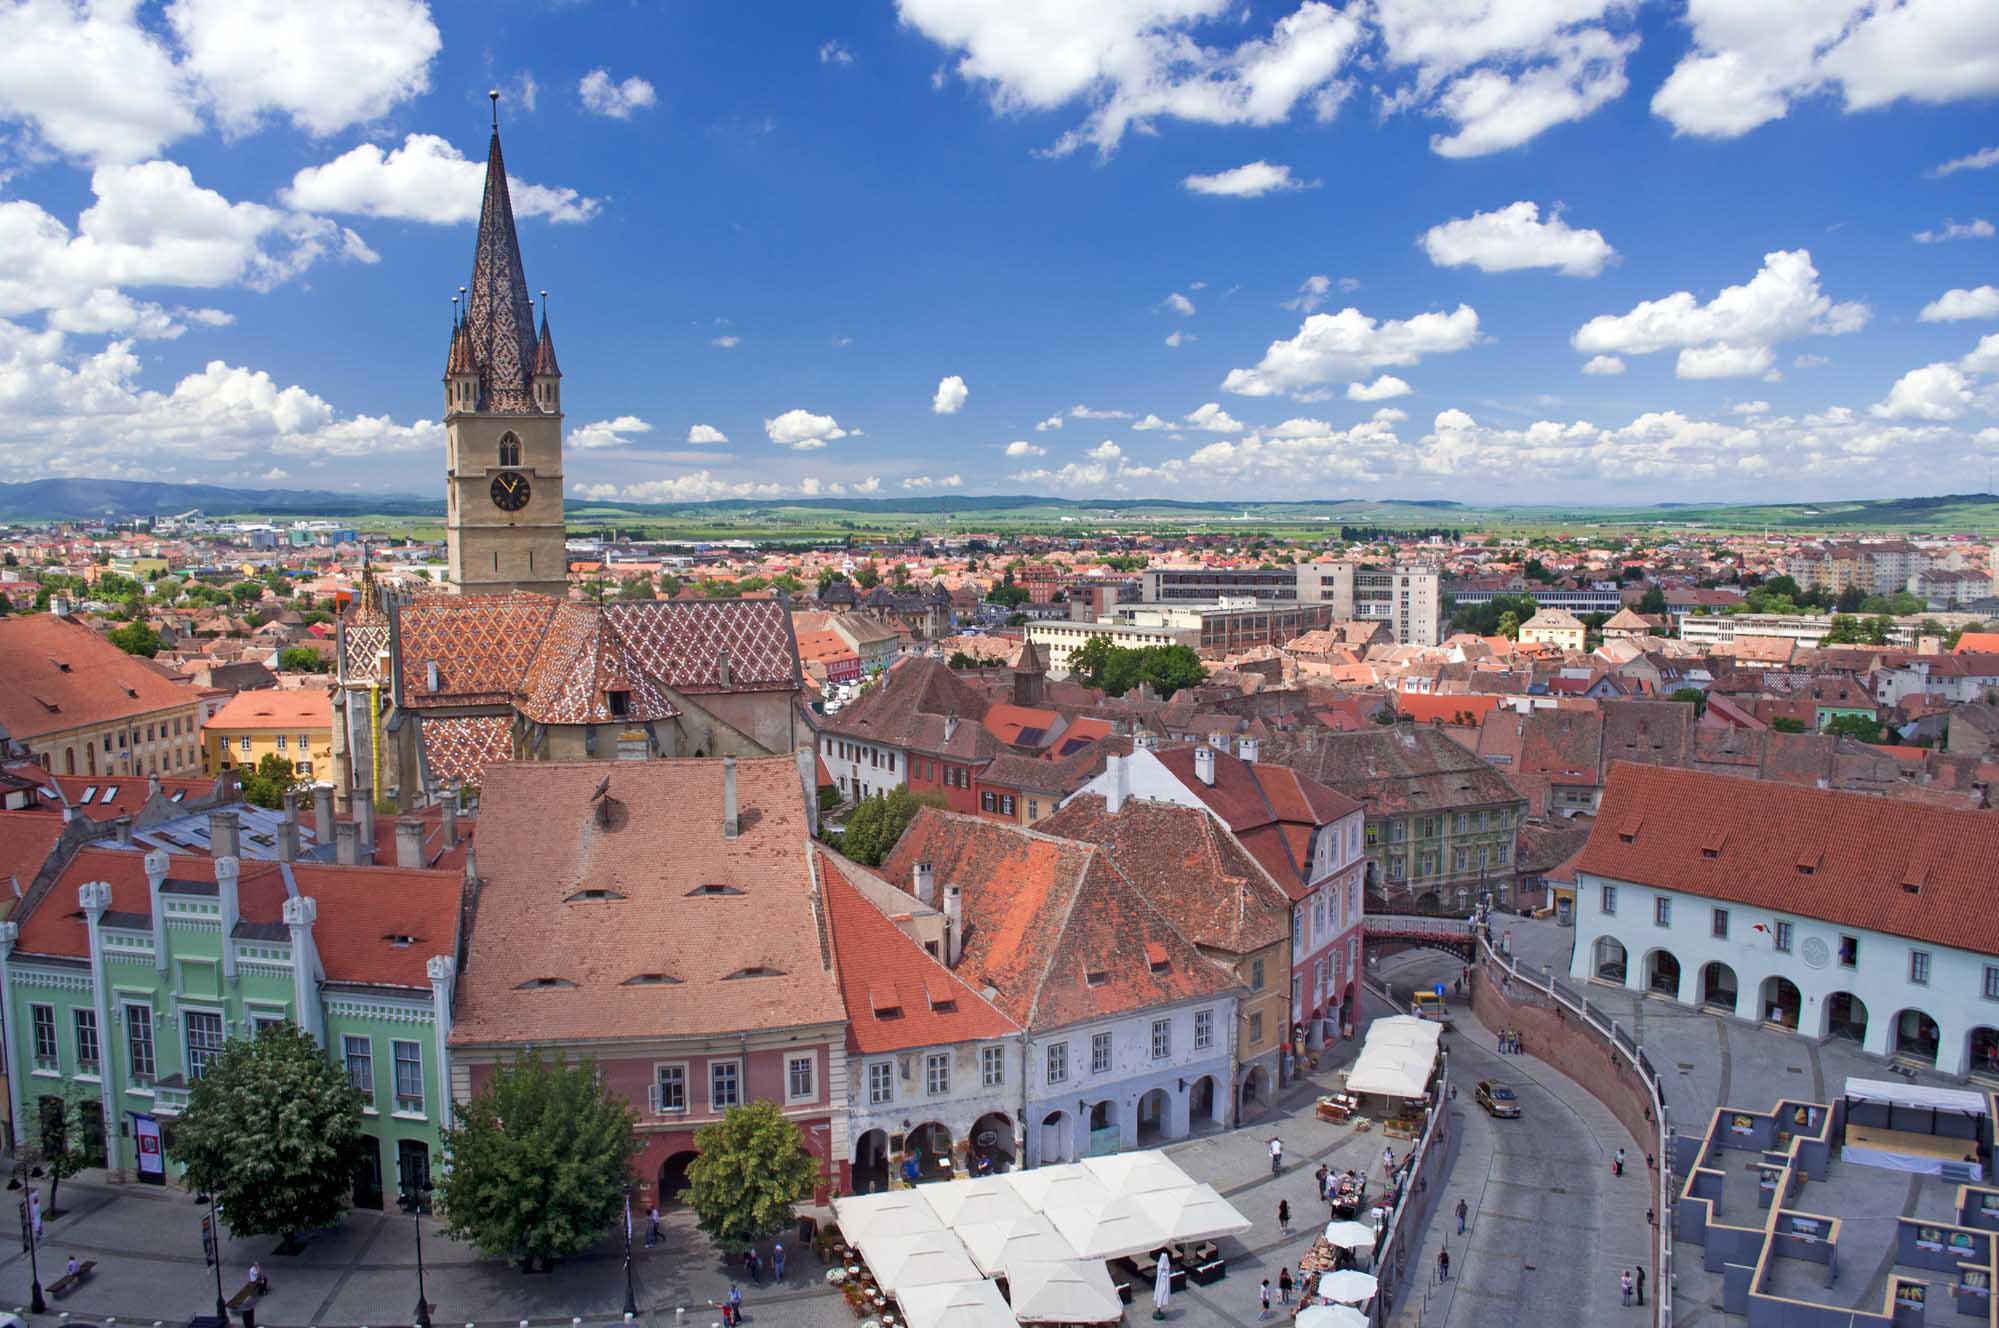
295 723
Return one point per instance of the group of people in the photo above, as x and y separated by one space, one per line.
1285 1285
1627 1283
1510 1043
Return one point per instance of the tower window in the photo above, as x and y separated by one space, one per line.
510 450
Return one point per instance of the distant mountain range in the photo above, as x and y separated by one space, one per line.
82 500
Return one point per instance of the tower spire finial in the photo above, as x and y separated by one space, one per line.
494 93
454 313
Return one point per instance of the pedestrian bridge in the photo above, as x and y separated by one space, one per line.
1454 936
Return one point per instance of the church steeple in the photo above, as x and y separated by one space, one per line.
547 377
499 316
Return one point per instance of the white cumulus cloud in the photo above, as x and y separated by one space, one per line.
1082 412
1052 422
1350 344
950 397
1213 419
802 431
1020 447
1151 423
1976 229
1980 160
833 53
608 433
1105 451
1515 237
1252 180
1384 388
426 179
1933 392
727 341
1956 305
1179 304
1603 365
706 433
605 95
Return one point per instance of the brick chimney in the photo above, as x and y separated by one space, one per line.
449 806
225 836
409 842
954 925
730 823
1204 765
322 812
926 885
346 843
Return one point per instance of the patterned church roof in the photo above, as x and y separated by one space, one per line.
458 748
499 314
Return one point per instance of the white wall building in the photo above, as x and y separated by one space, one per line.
1130 1081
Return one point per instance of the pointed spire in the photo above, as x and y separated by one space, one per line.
499 316
544 347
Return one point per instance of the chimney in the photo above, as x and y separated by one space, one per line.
409 842
224 835
122 828
808 779
299 913
729 821
926 885
1219 739
346 843
950 725
288 828
364 822
152 787
156 877
1114 799
449 806
322 813
954 925
1245 747
226 870
1204 765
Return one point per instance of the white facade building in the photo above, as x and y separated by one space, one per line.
1129 1081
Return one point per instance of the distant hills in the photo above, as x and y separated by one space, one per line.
85 499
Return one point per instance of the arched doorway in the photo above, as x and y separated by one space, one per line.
992 1139
1106 1135
1846 1016
1718 989
1201 1102
673 1177
1916 1037
1053 1143
1155 1117
871 1162
1662 974
1778 1003
1984 1049
930 1144
1255 1092
1607 959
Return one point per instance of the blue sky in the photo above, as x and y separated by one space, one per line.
1568 250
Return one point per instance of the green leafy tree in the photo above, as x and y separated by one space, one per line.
1089 661
539 1161
637 587
303 659
878 821
1850 599
265 784
270 1130
135 639
752 1169
827 576
63 1144
1843 630
1016 620
669 585
867 576
1785 724
900 575
1861 727
1693 696
960 660
1509 625
247 592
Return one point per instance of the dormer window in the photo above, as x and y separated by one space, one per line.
712 888
399 940
754 971
1096 977
543 984
620 702
592 896
652 980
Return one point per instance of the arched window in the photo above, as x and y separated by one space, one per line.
510 450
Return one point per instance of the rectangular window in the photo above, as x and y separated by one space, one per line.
204 1040
881 1083
46 1052
1501 852
409 1076
798 1086
1782 938
139 1044
360 1065
1006 804
1991 983
302 743
86 1040
1100 1053
1919 967
937 1073
1162 1039
1297 928
1662 911
1609 901
1204 1029
1719 924
1849 951
987 801
243 743
1256 1028
724 1088
1058 1062
992 1066
282 743
1256 974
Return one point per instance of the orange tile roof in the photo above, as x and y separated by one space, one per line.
1655 825
661 953
1424 707
26 840
897 996
281 709
62 675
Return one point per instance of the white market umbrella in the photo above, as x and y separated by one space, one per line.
1347 1286
924 1259
1068 1291
1329 1316
962 1202
897 1213
955 1305
1120 1227
996 1246
1197 1212
1162 1282
1350 1235
1066 1185
1145 1172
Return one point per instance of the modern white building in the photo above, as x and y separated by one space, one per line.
1830 914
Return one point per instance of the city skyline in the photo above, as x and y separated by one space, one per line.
1175 250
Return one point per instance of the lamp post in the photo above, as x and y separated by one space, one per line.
30 1240
211 1246
631 1297
416 1194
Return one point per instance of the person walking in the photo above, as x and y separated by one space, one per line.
736 1301
1617 1164
1284 1216
1276 1155
1284 1286
756 1266
652 1231
1320 1177
1624 1283
1264 1292
1463 1209
1443 1265
1641 1286
1388 1160
777 1262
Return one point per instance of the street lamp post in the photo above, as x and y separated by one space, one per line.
631 1297
212 1246
415 1194
33 1243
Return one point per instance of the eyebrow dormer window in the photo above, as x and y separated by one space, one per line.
620 701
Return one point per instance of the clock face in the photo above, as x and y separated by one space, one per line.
510 491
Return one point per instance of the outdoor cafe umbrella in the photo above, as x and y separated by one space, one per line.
1330 1316
1196 1212
963 1202
1137 1173
1349 1235
896 1213
955 1305
994 1246
1069 1291
1118 1228
1065 1185
1347 1286
1162 1284
926 1258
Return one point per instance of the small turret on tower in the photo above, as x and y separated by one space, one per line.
545 384
461 372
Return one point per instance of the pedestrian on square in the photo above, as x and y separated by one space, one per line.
1388 1160
258 1280
1624 1282
1320 1177
1276 1155
652 1229
1463 1209
1443 1265
1641 1286
777 1262
1284 1285
1284 1216
756 1266
736 1300
1264 1292
1617 1164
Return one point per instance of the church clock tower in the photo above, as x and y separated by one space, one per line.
502 418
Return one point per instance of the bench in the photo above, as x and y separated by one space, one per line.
69 1282
243 1297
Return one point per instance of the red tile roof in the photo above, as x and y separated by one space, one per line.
1271 808
62 675
281 709
695 934
897 996
1655 826
27 838
1447 709
114 796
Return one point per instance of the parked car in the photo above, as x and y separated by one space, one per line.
1497 1099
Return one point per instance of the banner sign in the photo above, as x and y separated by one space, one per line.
146 1129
